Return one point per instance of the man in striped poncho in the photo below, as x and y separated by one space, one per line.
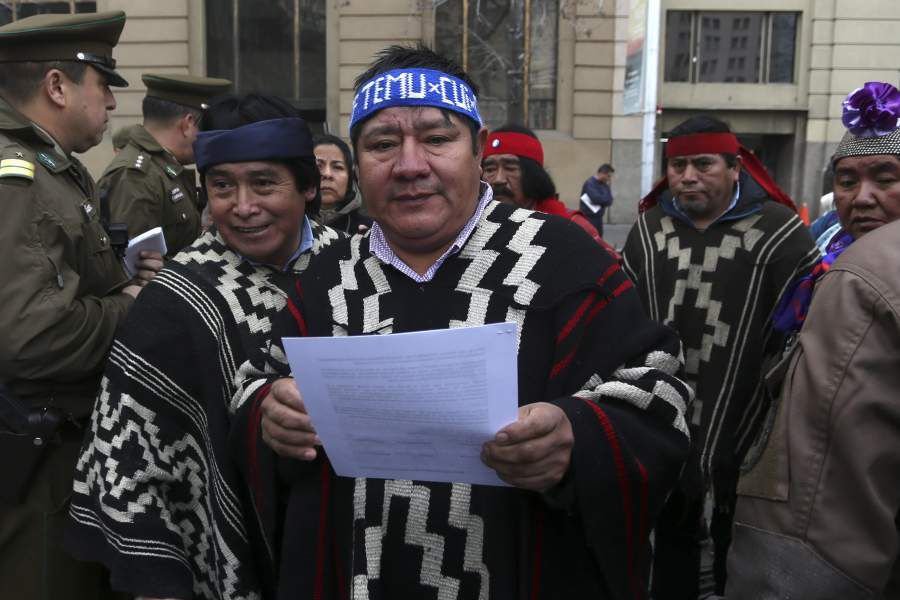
711 256
600 436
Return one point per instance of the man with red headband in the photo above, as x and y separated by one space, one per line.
513 164
715 246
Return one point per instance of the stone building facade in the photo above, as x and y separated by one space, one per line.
776 70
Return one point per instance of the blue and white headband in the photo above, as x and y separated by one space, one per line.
414 87
283 138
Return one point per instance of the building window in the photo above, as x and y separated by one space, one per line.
783 34
509 48
13 10
759 47
679 35
272 47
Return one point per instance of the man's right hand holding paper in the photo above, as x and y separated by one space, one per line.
286 427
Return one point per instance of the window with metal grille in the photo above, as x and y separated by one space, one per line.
731 47
13 10
271 47
509 48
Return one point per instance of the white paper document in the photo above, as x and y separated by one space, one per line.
150 240
587 202
410 405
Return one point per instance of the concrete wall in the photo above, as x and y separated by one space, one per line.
582 140
842 44
749 108
169 35
363 28
585 86
852 42
160 35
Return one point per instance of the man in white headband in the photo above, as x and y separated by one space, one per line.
600 436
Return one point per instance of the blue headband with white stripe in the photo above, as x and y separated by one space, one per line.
414 87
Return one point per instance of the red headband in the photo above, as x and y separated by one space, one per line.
702 143
506 142
717 143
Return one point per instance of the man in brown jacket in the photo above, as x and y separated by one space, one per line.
147 183
818 511
64 291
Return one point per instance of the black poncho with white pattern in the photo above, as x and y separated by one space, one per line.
156 498
585 345
718 288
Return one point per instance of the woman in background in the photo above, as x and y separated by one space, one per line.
341 204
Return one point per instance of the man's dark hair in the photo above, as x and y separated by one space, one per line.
165 112
415 57
229 112
20 81
605 168
332 140
536 181
704 124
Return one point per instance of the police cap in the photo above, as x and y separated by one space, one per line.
85 37
188 90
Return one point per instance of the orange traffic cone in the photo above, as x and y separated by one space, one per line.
804 214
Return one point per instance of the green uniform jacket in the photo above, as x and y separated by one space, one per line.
146 188
60 300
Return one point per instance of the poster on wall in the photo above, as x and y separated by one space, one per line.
632 96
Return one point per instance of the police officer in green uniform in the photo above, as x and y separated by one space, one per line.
63 290
146 183
122 136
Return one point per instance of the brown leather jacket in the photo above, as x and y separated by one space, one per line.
817 514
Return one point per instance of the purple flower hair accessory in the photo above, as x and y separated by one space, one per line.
872 110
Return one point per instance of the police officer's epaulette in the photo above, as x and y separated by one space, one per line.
16 164
139 162
130 157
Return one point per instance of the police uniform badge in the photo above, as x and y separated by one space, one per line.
14 164
176 195
53 164
46 160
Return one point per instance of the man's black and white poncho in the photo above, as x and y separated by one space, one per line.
718 288
585 345
156 498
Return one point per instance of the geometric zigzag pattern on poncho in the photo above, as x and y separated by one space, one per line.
251 297
419 498
99 468
701 272
207 517
660 248
414 501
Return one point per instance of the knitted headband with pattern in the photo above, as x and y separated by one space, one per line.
414 87
872 118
